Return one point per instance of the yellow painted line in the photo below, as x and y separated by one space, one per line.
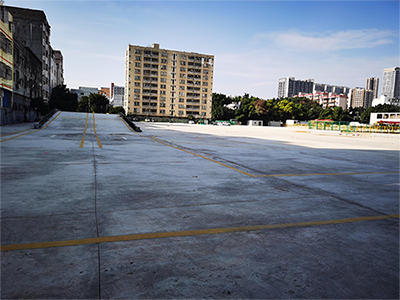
84 132
31 131
195 154
12 133
324 174
156 235
95 133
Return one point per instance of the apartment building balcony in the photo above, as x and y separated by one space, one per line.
192 101
192 112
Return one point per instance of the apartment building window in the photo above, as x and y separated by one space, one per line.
205 95
181 100
163 67
136 110
137 83
183 69
183 56
203 107
163 86
154 53
162 104
147 52
182 81
183 63
205 83
138 58
174 56
203 114
163 61
163 79
136 91
162 111
138 51
163 73
182 88
138 65
204 101
137 71
182 94
137 77
180 112
204 90
181 106
136 103
162 98
182 75
205 77
164 54
162 92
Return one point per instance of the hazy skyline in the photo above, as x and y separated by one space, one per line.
254 43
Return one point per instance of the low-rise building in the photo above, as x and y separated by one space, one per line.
84 91
327 99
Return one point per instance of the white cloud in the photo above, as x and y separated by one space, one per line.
340 40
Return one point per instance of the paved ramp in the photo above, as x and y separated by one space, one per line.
91 209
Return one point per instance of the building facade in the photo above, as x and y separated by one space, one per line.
328 88
327 99
6 58
372 84
84 91
59 68
391 83
168 83
289 87
361 97
32 30
118 95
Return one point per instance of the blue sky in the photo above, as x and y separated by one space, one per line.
254 42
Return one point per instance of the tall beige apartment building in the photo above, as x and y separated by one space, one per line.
168 83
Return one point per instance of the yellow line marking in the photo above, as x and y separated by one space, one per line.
31 131
95 133
16 132
143 236
84 132
212 160
271 175
323 174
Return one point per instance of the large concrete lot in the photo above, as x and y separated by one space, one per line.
196 211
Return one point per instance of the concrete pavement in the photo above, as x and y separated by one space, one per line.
91 209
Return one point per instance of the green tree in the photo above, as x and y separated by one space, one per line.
95 103
62 99
218 110
116 110
40 106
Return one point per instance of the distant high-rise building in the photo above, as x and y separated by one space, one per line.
289 87
168 83
118 93
361 97
328 88
391 83
372 84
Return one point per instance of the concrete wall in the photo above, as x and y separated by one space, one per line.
9 117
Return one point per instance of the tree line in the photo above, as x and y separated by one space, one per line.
62 99
282 109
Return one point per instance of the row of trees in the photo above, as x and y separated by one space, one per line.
62 99
252 108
